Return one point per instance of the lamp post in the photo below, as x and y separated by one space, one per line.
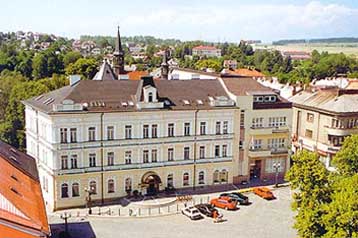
65 216
276 166
89 199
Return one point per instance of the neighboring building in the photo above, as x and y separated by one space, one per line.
296 55
208 51
242 72
230 64
22 208
265 129
117 136
189 74
322 119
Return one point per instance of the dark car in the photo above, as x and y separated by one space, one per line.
242 199
206 209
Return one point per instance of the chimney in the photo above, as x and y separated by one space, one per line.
75 78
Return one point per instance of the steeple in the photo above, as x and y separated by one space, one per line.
118 56
165 66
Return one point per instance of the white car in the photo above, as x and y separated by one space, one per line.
192 212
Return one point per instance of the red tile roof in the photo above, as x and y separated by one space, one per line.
204 47
243 72
137 75
20 193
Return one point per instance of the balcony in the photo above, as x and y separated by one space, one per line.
268 130
341 131
267 152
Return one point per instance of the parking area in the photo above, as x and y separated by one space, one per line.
260 219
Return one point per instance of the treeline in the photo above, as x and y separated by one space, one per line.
321 40
326 202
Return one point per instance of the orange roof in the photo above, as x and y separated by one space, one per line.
20 192
204 47
136 75
243 72
353 84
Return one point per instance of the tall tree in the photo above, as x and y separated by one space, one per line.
346 160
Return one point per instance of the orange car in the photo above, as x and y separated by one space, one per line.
264 192
224 202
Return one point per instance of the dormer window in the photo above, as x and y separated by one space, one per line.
150 94
150 97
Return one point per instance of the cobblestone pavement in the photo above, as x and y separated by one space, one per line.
260 219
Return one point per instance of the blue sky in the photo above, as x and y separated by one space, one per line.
225 20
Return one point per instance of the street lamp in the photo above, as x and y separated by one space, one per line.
89 192
276 166
65 216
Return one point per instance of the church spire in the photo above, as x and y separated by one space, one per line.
165 65
118 54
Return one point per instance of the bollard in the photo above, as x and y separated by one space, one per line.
201 200
109 212
149 211
138 211
177 207
78 213
159 210
130 212
119 212
208 199
99 211
168 209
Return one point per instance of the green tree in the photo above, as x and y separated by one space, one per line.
71 57
208 63
87 67
346 160
39 66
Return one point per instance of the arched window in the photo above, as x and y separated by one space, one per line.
170 182
224 176
64 190
201 177
186 179
150 97
93 187
75 190
110 186
128 185
216 176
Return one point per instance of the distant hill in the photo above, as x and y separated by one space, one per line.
322 40
145 40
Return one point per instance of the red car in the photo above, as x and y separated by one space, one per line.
264 192
225 203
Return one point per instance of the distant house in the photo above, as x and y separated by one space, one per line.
243 72
296 55
230 64
209 51
22 207
96 51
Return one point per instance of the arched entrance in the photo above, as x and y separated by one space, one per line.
151 181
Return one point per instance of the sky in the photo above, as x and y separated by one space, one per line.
209 20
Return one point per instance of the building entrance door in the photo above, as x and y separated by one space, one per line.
151 181
255 170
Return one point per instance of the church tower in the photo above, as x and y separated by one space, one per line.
165 66
118 57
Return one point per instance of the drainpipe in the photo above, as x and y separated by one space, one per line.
195 138
102 180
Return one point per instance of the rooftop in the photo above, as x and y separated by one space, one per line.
243 72
205 47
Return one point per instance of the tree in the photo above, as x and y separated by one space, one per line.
341 214
208 63
309 178
346 160
39 66
71 57
87 67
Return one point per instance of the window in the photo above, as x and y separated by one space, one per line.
128 157
154 155
257 144
128 185
275 143
75 190
202 152
92 160
92 134
224 151
63 134
110 186
224 176
203 128
170 154
308 133
170 129
336 123
186 153
64 190
186 179
217 151
93 187
64 162
110 133
170 181
110 158
128 132
336 140
154 131
145 156
242 119
310 117
73 161
201 177
216 176
145 131
44 183
73 135
257 122
225 127
187 129
150 97
218 128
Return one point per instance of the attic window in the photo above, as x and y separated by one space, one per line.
167 103
14 159
130 103
186 102
200 102
39 97
150 97
13 150
15 191
48 101
211 98
124 104
14 178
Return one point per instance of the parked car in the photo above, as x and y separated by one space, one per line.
224 202
264 192
192 212
242 199
206 209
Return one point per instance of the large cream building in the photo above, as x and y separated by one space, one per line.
322 118
117 136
